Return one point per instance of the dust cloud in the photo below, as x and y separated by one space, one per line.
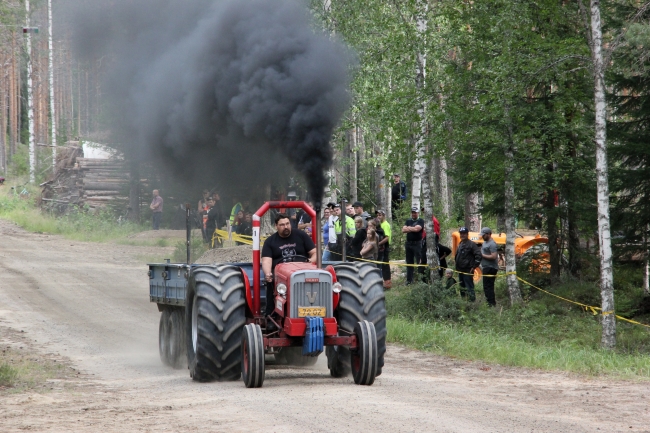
226 91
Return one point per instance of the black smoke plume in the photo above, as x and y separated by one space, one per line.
220 89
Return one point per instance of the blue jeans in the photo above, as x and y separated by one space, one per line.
157 216
467 286
327 256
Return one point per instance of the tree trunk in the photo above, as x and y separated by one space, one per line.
380 179
134 191
646 263
420 79
608 339
30 101
509 206
51 79
471 212
353 174
432 255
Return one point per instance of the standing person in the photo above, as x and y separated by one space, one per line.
397 193
326 232
303 218
358 211
443 253
385 243
203 201
468 258
489 265
235 208
413 229
157 207
357 241
245 228
212 221
370 249
285 245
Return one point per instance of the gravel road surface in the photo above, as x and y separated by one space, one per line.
87 306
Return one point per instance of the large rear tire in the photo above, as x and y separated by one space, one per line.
364 359
252 356
214 319
362 298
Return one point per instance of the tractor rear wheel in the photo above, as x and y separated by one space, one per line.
214 318
362 298
363 359
252 356
163 336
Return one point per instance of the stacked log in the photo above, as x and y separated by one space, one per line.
103 181
85 182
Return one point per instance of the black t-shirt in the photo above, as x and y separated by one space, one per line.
414 236
303 217
284 249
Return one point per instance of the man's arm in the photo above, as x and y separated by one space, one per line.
477 256
491 256
267 264
312 256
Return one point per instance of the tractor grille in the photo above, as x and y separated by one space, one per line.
303 293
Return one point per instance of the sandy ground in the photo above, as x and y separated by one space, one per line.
87 306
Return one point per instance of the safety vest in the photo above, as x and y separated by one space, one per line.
349 223
233 213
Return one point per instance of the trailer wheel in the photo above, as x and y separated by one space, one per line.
363 360
362 298
163 337
293 356
252 356
214 319
176 341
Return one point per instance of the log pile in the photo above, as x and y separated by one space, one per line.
103 181
85 182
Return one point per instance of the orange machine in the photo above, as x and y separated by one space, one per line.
522 245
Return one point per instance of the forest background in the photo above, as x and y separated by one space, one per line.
486 108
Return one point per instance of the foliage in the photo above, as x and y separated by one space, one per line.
544 332
8 375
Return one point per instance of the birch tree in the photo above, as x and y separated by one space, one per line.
608 339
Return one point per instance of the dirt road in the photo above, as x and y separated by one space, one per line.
88 305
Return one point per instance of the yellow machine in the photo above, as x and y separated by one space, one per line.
523 244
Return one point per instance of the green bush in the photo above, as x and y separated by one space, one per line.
8 375
427 302
197 248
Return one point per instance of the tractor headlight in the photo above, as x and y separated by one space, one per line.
282 289
336 287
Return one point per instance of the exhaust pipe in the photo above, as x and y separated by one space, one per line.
319 238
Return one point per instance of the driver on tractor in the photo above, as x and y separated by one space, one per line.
285 245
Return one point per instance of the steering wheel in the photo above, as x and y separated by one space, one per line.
305 259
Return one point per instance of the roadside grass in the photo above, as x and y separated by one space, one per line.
23 371
543 333
77 225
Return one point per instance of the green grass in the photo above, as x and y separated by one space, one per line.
8 375
543 333
78 225
489 346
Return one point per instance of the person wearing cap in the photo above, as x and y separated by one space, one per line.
384 247
358 211
336 238
468 257
397 193
413 248
489 265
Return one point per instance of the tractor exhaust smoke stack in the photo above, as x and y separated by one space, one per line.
231 89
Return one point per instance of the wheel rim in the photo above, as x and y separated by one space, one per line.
172 337
195 323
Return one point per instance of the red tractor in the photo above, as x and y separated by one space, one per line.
338 309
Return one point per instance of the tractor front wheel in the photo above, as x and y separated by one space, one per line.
252 356
364 360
